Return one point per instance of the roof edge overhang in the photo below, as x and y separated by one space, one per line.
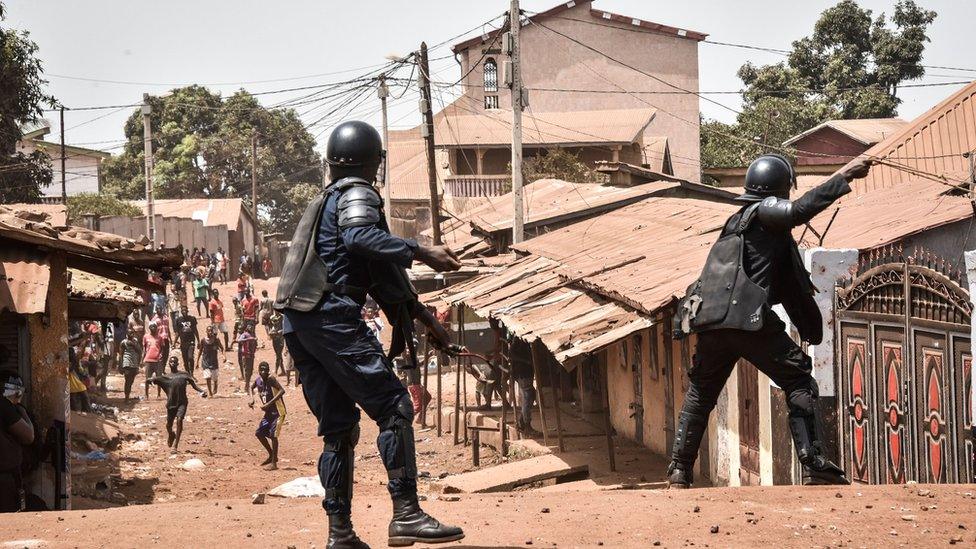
650 26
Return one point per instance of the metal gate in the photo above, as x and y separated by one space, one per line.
905 375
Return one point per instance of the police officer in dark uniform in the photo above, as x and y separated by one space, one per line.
772 272
342 250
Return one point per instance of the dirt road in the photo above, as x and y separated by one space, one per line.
860 516
220 432
212 507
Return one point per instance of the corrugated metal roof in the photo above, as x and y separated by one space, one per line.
547 200
932 143
493 128
57 213
90 286
544 201
533 301
642 255
35 228
867 131
25 274
887 215
211 211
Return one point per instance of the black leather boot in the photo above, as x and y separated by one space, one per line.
808 440
822 471
687 439
411 525
678 477
341 534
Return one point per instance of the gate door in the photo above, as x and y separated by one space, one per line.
905 370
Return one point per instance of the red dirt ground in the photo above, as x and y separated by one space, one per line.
212 507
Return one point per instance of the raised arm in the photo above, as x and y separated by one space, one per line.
780 214
362 234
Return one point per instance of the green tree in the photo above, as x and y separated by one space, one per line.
849 67
21 174
202 148
558 163
300 194
99 204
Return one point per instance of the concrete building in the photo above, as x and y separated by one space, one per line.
563 73
82 165
575 95
822 149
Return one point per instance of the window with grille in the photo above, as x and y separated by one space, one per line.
491 101
491 75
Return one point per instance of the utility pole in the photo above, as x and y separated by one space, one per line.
427 132
383 92
147 152
254 183
518 224
64 182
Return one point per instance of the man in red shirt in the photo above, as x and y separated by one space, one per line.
243 285
217 315
152 356
249 310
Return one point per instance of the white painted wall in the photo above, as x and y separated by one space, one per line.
81 170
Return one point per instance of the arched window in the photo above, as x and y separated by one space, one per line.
491 75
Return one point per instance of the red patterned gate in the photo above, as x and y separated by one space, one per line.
905 375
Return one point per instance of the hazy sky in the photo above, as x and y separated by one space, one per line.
151 46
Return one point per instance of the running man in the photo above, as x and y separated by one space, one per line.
152 355
174 384
272 403
188 337
131 358
277 336
217 315
266 307
247 346
207 357
249 311
201 289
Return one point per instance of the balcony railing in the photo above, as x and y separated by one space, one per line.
477 185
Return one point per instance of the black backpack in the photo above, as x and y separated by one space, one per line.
723 296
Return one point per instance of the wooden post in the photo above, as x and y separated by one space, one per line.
440 395
64 181
501 426
464 401
510 388
383 92
579 382
607 424
427 131
538 397
515 25
148 154
553 381
254 184
423 409
457 377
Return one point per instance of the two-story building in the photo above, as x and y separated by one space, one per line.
82 166
590 77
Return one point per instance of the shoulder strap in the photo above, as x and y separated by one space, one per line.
748 215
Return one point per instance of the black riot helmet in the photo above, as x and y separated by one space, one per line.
355 149
769 175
